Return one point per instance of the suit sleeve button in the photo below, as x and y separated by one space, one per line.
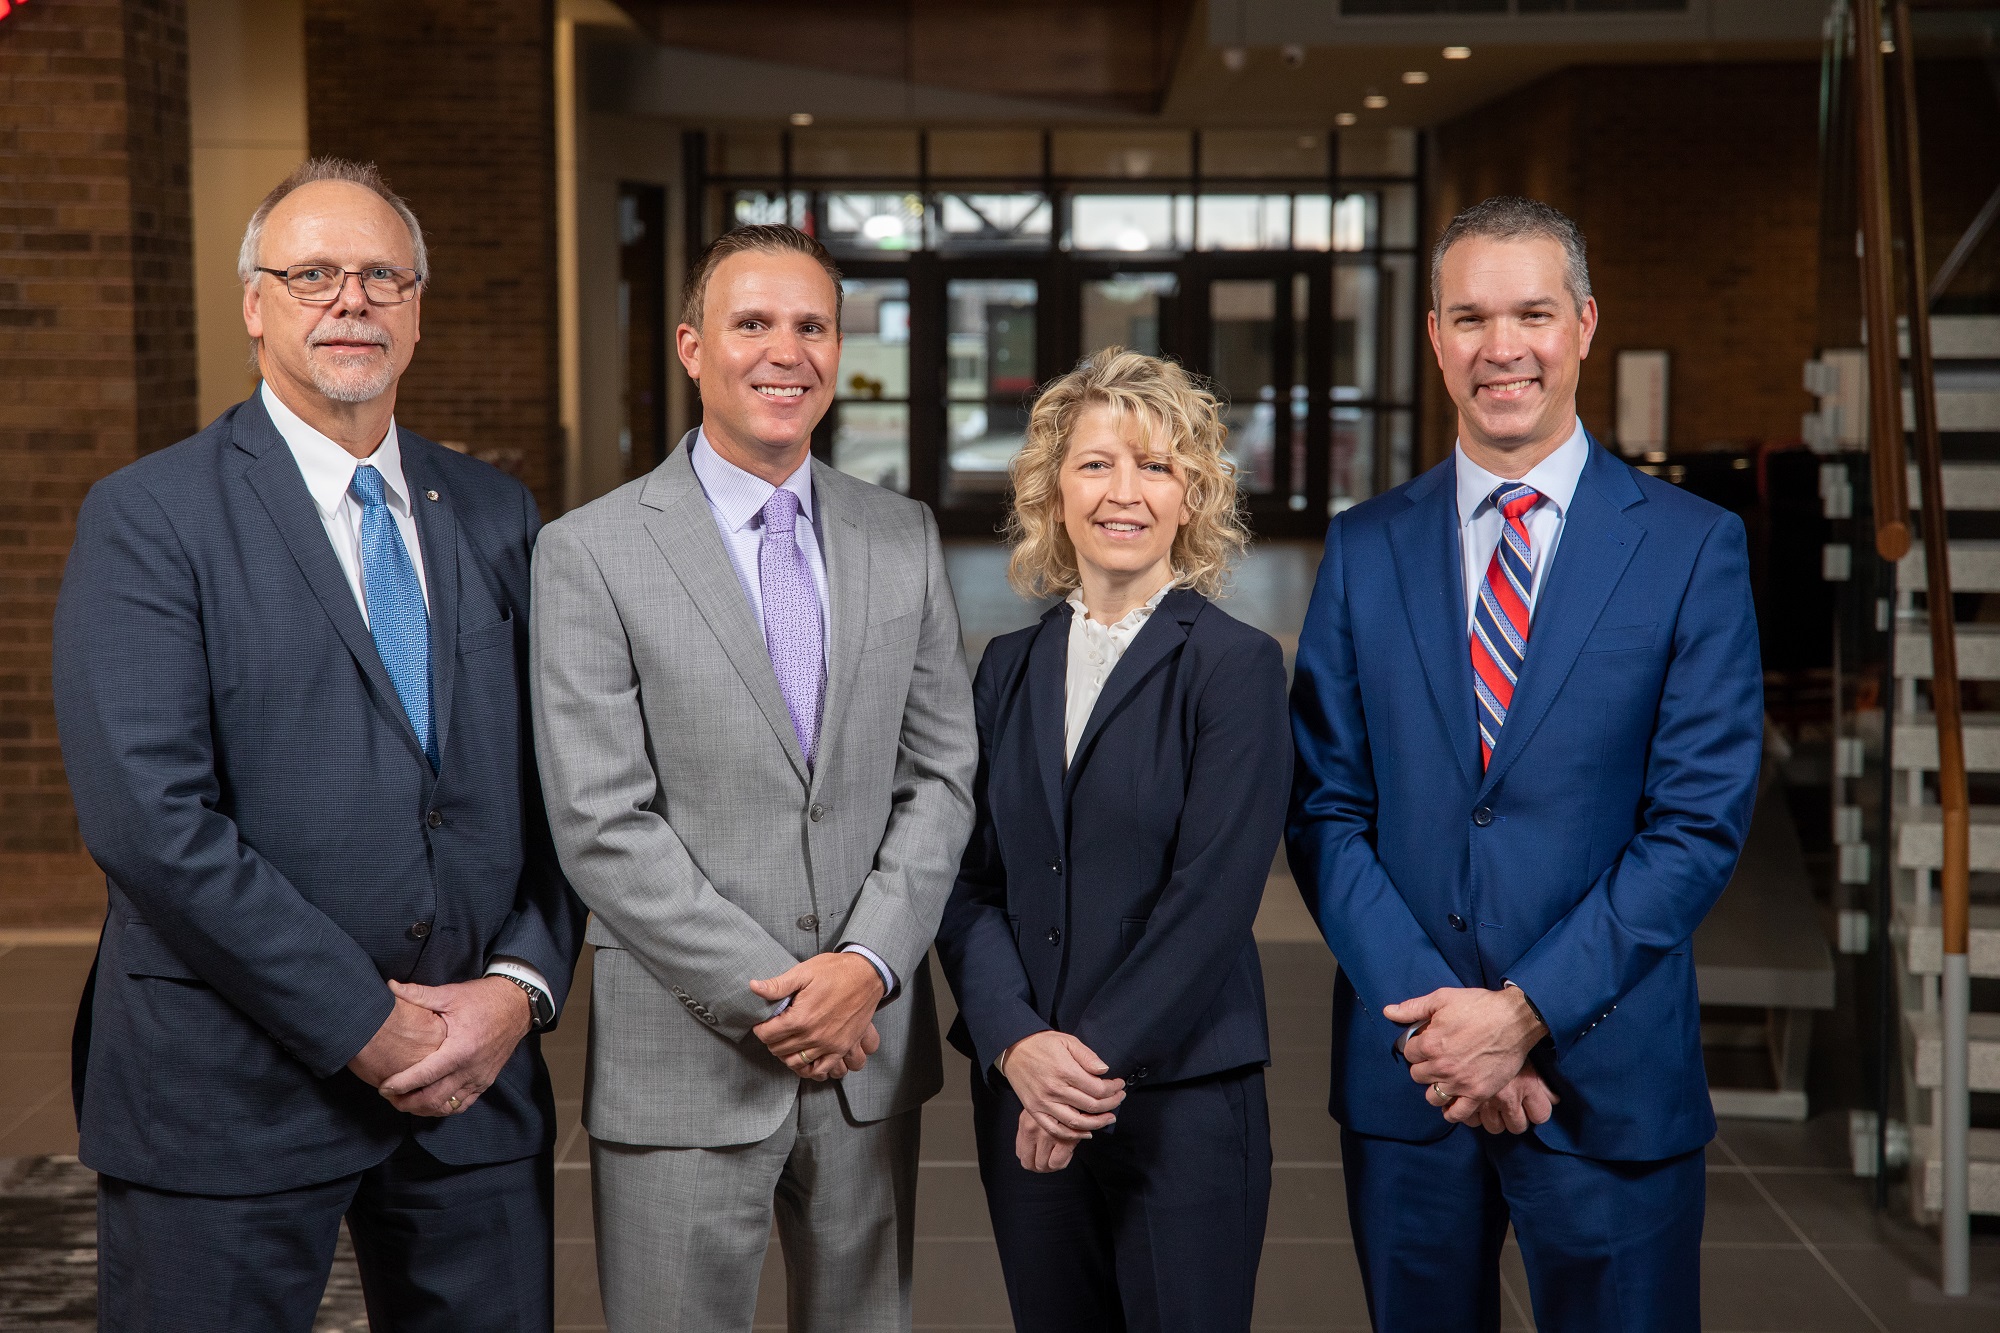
1482 816
1055 935
1456 921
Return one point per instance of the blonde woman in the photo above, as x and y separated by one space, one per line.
1135 757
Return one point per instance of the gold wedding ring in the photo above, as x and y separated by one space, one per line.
453 1103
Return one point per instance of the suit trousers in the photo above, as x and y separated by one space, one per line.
1609 1247
442 1249
681 1232
1156 1226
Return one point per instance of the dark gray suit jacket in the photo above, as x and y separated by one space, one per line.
274 842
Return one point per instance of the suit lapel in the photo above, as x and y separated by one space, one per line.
683 528
437 533
844 547
1598 542
1048 666
274 475
1161 636
1429 571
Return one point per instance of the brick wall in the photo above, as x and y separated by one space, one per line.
1697 188
97 345
455 102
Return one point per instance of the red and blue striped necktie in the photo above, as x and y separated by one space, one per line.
1500 620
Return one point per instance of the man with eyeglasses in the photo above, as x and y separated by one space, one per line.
289 676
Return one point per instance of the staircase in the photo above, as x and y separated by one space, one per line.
1967 349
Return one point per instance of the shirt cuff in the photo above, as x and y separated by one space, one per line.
520 971
881 968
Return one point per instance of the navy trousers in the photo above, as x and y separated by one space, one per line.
442 1249
1610 1247
1156 1227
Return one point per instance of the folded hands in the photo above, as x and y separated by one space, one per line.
1469 1049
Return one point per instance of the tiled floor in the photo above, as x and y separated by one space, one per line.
1791 1241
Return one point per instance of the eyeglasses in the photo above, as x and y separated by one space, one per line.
321 284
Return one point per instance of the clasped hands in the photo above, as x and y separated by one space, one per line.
442 1046
1471 1055
1066 1094
827 1031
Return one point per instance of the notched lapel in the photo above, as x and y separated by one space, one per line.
682 526
437 533
845 549
274 475
1162 634
1425 538
1048 666
1598 543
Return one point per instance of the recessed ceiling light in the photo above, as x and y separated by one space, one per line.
1458 53
1415 76
802 118
1374 101
1345 118
1234 58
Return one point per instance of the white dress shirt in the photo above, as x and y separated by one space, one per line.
1094 650
737 499
329 471
1479 522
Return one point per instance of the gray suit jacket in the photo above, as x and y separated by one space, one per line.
687 820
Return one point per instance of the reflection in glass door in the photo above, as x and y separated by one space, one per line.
871 429
989 378
1129 310
1243 314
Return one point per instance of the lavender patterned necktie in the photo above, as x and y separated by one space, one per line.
791 618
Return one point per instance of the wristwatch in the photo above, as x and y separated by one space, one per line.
541 1009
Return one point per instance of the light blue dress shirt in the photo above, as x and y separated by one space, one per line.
737 499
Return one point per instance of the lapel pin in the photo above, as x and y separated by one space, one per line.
430 495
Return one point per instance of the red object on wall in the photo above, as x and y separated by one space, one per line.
7 8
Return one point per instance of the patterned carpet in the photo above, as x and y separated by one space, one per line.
48 1231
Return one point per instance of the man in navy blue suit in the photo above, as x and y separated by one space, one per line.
1528 714
289 676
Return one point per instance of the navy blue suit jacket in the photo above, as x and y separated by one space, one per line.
1114 900
1579 864
271 833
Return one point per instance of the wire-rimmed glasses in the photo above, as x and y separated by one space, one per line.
321 284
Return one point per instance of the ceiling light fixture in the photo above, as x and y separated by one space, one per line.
1234 58
1458 53
1293 55
1374 101
1414 76
801 119
1345 118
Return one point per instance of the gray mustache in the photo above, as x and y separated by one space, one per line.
348 330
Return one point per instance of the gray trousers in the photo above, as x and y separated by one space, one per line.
681 1232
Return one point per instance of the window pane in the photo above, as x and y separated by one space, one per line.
1354 222
1242 313
874 222
1353 464
758 206
1262 153
990 352
874 338
1133 223
854 152
986 153
1312 222
1128 154
1399 216
970 221
872 441
1244 221
1124 310
1402 302
1357 319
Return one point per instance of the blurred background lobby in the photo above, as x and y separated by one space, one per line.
1249 186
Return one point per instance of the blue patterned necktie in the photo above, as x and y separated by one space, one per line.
396 615
791 618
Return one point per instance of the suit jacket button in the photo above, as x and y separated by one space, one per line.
1055 867
1055 935
435 819
1456 921
420 931
1482 816
817 813
809 922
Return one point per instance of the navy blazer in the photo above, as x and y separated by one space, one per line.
275 843
1114 900
1579 864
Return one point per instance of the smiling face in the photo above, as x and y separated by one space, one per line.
348 351
1511 343
767 356
1120 501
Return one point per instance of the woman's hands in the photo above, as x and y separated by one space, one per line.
1064 1093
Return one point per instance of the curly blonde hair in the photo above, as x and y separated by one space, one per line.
1177 412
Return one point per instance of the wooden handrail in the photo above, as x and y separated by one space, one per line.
1878 288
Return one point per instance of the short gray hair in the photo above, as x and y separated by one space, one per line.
1509 218
315 169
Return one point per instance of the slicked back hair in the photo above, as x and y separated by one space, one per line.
1509 218
772 238
316 169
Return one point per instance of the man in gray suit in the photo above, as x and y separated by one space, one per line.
757 747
